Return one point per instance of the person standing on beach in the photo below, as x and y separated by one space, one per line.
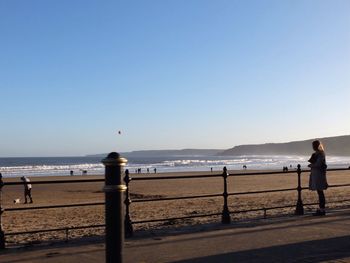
27 189
1 182
318 179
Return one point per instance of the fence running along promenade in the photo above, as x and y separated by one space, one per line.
128 222
225 214
66 230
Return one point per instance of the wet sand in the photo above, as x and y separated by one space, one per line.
55 194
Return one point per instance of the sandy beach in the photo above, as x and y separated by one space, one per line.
55 194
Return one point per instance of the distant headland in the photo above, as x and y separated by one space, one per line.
169 153
336 146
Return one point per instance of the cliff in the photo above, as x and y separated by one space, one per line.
339 146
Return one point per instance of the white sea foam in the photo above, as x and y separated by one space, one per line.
50 170
171 165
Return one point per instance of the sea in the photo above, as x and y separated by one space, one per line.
61 166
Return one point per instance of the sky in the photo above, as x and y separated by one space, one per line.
170 74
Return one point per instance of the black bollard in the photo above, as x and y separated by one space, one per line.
2 234
225 217
299 210
114 214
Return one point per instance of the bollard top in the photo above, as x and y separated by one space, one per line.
113 155
114 159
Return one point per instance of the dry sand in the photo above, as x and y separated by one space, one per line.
16 221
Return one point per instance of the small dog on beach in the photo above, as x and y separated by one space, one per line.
17 201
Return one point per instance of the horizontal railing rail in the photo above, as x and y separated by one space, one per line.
176 198
263 191
175 218
144 178
52 206
57 182
53 230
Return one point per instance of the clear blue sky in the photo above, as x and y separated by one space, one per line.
170 74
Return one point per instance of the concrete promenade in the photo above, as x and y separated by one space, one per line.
288 239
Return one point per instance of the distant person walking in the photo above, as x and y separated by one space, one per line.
1 182
27 189
318 179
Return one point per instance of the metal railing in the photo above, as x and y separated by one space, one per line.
66 230
129 223
225 214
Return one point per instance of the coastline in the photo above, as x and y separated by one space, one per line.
33 167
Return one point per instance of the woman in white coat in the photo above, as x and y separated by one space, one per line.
318 179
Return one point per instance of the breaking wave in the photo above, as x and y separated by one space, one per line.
13 167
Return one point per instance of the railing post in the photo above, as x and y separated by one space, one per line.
299 210
114 213
129 231
2 234
225 217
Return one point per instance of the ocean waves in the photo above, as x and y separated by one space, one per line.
14 167
50 170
